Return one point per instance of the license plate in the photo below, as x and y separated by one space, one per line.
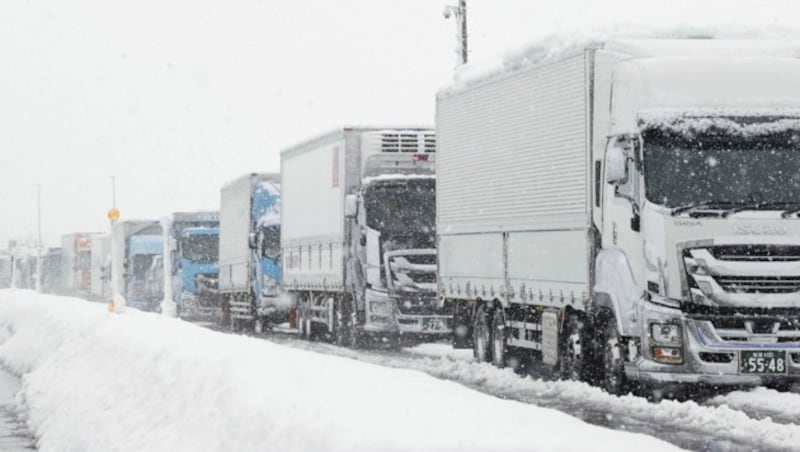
762 362
433 325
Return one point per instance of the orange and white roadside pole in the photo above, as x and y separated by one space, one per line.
117 302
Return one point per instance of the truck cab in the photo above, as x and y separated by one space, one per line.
198 267
701 199
142 250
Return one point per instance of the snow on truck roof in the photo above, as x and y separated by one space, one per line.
552 50
268 177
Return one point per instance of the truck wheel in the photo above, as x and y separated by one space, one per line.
572 364
342 324
498 338
614 381
482 336
302 325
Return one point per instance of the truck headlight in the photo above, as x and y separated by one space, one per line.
665 333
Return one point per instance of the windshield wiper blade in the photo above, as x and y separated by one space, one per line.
700 205
791 210
788 207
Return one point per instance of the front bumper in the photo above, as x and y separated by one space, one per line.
430 323
709 359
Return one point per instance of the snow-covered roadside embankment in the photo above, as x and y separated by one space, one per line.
97 381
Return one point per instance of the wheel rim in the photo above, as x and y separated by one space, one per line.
613 378
571 368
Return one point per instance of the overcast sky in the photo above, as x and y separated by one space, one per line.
176 97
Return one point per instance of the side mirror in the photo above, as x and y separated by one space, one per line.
251 240
616 164
350 206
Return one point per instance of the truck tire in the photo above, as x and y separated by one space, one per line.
614 380
499 348
302 325
572 364
482 336
344 329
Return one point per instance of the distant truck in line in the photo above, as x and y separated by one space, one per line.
358 235
249 253
76 264
195 264
137 244
628 213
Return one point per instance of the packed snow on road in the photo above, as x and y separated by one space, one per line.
93 380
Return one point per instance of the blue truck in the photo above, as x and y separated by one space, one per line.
142 251
195 268
249 252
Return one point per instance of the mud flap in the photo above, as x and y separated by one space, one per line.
550 338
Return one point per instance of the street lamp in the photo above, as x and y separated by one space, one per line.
460 14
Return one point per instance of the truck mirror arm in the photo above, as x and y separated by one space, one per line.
635 215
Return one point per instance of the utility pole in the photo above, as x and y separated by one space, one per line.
460 14
39 244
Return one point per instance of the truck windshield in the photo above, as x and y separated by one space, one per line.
271 241
718 168
402 207
200 247
141 263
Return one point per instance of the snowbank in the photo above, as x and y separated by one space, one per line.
98 381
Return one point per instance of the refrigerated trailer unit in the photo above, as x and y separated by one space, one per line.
357 234
628 212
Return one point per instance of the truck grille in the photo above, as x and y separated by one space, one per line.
741 327
756 253
759 284
411 270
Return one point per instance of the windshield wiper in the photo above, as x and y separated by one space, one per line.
788 207
700 205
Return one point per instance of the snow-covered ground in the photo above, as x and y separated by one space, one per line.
93 380
724 423
13 434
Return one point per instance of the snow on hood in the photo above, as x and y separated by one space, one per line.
701 121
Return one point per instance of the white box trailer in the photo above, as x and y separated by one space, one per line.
357 238
249 262
571 228
101 267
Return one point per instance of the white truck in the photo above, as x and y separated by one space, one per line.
249 252
357 235
100 278
628 211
